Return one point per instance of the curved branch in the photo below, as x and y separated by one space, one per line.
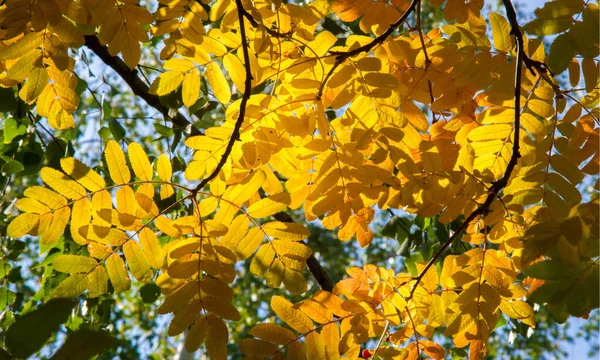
343 56
135 83
497 186
235 135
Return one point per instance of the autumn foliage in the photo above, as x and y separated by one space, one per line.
475 123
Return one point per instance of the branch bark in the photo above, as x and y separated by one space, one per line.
136 84
497 186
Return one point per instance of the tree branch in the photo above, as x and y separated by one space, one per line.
235 135
135 83
342 56
497 186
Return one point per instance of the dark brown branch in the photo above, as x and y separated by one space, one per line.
343 56
497 186
135 83
314 266
235 135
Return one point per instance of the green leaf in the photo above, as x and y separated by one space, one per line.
12 129
7 297
30 332
4 268
84 344
117 131
150 292
104 133
556 270
8 100
12 167
562 51
163 130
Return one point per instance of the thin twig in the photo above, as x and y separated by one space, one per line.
385 329
427 60
342 56
235 135
497 186
136 84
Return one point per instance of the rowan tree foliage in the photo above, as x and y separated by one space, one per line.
251 123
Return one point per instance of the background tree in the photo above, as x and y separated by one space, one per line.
454 153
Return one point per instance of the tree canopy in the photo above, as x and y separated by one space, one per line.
398 179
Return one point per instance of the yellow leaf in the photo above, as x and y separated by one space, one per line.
296 319
71 287
179 65
97 282
117 166
270 205
164 168
490 132
32 206
87 177
166 83
190 90
381 80
236 70
237 230
273 333
74 264
216 338
28 42
248 188
21 225
46 196
316 311
218 83
516 309
139 162
501 33
257 348
166 225
36 82
151 247
196 335
286 231
331 337
23 67
117 273
62 183
293 280
315 346
249 243
138 264
56 228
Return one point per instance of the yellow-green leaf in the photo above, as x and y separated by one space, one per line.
62 183
138 264
501 33
73 264
117 273
166 83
